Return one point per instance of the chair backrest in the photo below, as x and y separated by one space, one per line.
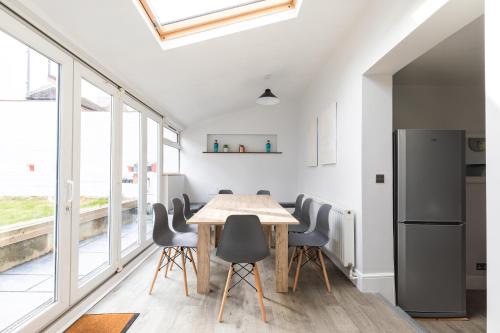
305 217
160 227
322 220
178 219
225 192
242 240
298 205
263 192
187 204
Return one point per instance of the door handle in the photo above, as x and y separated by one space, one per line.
69 194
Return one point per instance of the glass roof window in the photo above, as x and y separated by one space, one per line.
177 18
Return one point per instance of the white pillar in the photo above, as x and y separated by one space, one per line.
492 68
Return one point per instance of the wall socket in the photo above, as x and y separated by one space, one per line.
480 266
379 179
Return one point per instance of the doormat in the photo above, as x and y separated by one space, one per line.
103 323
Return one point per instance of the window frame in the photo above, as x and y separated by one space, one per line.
176 145
215 19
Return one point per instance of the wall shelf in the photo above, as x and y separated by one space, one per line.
254 143
247 152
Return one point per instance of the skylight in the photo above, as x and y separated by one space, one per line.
176 18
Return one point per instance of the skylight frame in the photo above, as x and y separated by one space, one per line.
216 19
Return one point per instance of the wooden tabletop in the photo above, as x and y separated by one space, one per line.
223 205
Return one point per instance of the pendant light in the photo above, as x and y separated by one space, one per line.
268 98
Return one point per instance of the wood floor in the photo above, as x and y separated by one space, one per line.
309 309
476 310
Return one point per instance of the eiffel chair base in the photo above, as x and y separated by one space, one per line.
302 255
168 258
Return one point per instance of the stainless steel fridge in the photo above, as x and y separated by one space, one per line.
429 222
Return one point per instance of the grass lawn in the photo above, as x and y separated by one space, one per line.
21 209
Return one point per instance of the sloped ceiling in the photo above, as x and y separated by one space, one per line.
458 59
216 76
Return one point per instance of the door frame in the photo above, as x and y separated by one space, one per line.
143 243
78 291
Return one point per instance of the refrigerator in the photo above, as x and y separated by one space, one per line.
429 222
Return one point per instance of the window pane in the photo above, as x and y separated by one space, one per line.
152 174
95 180
170 159
175 11
28 179
130 180
170 135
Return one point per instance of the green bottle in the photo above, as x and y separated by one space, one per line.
268 146
216 147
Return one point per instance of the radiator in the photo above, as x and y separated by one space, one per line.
341 247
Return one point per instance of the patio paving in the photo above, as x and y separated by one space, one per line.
31 285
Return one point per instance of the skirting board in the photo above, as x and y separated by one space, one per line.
382 283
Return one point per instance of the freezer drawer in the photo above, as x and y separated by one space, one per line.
430 175
431 269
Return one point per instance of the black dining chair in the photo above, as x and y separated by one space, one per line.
188 212
179 220
179 224
225 192
180 243
297 212
263 192
304 220
243 244
309 245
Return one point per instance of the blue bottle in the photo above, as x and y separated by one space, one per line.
216 147
268 146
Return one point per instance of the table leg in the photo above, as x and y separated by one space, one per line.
282 258
268 234
203 283
218 232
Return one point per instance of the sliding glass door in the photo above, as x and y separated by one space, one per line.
79 175
93 223
131 171
153 169
35 191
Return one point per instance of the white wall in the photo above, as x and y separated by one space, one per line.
439 106
243 173
389 36
492 54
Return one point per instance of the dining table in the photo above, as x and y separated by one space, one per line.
215 213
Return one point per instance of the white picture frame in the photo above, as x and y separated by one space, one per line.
327 136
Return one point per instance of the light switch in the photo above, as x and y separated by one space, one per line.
379 179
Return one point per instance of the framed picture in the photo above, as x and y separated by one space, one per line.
327 136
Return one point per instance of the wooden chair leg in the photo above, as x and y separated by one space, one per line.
224 295
192 261
172 264
297 272
259 292
325 275
168 256
291 259
158 267
183 259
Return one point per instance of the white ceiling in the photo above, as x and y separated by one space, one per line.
201 80
458 59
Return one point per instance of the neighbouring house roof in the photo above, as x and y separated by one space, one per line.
45 93
49 93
